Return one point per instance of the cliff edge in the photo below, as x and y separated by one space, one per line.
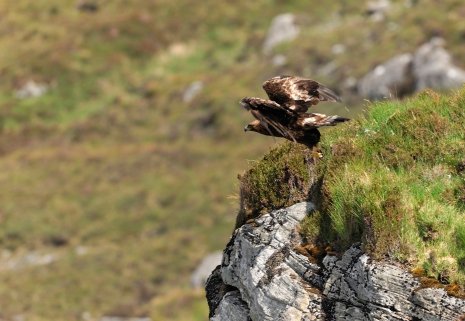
373 230
264 276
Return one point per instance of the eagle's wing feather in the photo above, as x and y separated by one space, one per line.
326 94
266 121
269 113
297 94
284 114
263 105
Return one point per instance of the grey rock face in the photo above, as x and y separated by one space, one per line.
279 60
283 29
192 91
232 308
262 277
8 261
377 9
31 89
393 78
259 263
429 67
433 67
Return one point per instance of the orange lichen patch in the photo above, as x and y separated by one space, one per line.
418 272
252 221
311 289
303 251
330 251
427 282
314 252
455 290
462 318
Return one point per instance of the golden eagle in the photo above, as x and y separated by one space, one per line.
285 113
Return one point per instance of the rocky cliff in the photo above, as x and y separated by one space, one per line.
264 276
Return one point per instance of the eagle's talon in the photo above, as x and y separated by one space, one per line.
315 155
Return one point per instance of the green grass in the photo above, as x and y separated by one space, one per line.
392 180
397 191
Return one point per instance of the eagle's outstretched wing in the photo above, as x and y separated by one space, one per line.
297 94
284 115
270 114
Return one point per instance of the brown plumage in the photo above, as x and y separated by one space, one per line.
284 115
297 93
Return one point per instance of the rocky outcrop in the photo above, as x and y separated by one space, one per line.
232 308
433 67
283 29
377 10
392 78
192 91
31 89
264 277
430 66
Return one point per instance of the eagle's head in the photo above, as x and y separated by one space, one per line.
253 126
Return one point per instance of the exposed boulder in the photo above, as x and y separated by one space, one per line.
279 60
8 261
394 78
283 29
433 67
192 91
377 10
429 67
216 291
31 89
205 268
232 308
338 49
264 277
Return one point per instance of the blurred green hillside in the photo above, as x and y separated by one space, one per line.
113 187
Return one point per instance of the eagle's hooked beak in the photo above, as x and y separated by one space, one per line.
246 128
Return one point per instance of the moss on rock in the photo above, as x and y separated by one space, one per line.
283 177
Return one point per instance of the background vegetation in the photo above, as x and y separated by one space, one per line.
113 187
